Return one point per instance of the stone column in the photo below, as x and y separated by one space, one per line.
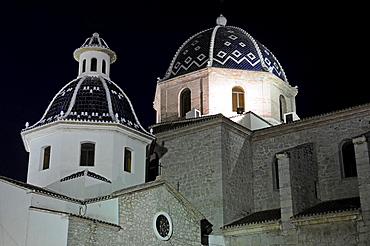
286 199
363 177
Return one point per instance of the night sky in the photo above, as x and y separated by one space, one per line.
319 48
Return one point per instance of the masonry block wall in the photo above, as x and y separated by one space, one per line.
210 165
192 165
237 173
303 172
137 211
211 93
85 232
326 136
262 92
167 98
336 233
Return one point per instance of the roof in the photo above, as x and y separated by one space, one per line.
85 173
93 99
170 125
313 121
333 206
39 190
81 217
223 47
326 207
258 217
95 43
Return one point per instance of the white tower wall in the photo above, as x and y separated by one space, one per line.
65 141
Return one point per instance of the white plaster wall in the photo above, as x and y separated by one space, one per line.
100 56
14 203
104 210
46 202
45 229
65 140
255 86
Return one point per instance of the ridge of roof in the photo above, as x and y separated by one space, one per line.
257 218
318 119
171 125
88 173
95 221
332 206
39 190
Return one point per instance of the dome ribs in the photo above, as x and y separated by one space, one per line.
223 47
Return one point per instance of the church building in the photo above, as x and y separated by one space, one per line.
228 161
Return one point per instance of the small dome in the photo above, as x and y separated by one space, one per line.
223 47
95 43
93 99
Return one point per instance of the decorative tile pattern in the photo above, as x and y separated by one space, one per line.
86 99
193 55
232 48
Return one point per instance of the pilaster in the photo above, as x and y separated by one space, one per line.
286 199
363 177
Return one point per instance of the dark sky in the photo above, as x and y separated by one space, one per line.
318 46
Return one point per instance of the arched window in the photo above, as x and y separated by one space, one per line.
93 66
104 67
84 65
46 158
238 99
185 102
87 154
282 107
348 159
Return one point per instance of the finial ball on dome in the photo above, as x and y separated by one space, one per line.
96 35
221 21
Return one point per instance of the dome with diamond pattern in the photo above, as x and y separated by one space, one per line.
223 47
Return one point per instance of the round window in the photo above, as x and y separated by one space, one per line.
162 225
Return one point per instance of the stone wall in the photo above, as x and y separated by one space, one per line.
237 174
335 233
138 206
82 232
342 233
326 137
211 166
211 93
167 98
192 165
137 211
303 172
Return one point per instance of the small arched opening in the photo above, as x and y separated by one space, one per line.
93 65
185 102
282 107
104 67
238 99
84 65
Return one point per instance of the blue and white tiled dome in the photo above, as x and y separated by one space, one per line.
91 98
223 47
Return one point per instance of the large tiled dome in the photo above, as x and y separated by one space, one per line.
93 99
223 47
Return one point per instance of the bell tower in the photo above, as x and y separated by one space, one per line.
89 141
